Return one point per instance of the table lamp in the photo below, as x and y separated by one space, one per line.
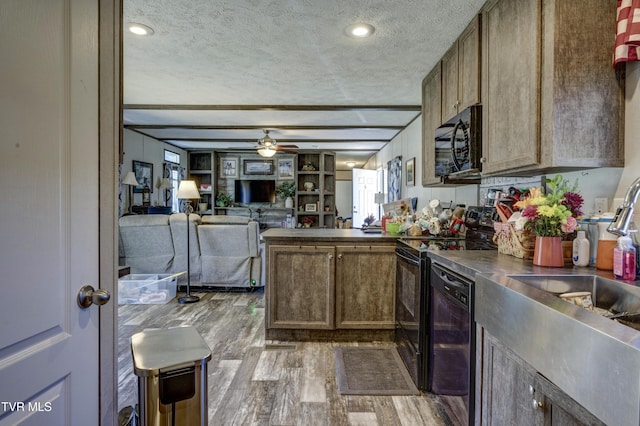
165 184
379 199
187 191
130 179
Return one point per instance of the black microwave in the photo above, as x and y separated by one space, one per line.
458 144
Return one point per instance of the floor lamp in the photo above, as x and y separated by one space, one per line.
130 179
188 191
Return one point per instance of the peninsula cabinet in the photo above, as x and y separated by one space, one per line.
551 101
514 393
346 288
461 72
431 119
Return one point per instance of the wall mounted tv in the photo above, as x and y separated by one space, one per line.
255 191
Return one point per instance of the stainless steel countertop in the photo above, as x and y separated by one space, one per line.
472 262
591 358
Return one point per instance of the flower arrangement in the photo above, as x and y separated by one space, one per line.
553 214
308 220
369 220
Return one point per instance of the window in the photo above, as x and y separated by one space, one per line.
171 157
174 177
172 170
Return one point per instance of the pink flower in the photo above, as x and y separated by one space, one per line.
570 225
530 212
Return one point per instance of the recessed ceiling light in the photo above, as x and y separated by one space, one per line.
140 29
360 30
350 163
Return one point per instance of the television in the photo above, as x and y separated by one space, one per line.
255 191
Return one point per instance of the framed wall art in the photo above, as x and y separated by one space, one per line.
257 167
311 207
285 168
144 175
410 171
394 181
228 167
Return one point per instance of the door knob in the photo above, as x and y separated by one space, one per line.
87 296
537 404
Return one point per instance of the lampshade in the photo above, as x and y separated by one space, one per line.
130 179
267 152
166 184
188 190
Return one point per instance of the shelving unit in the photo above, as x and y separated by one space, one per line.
317 201
201 170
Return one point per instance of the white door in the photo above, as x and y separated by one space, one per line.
365 186
49 211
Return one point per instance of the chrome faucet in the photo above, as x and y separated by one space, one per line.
624 213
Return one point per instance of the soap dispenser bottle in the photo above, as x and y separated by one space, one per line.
624 259
581 250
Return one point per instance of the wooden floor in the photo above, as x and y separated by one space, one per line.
253 382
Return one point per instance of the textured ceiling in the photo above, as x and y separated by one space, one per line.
217 72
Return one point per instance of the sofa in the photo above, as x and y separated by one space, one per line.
225 250
230 251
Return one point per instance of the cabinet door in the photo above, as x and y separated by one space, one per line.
507 387
511 34
431 119
301 287
469 66
450 98
461 72
559 408
365 287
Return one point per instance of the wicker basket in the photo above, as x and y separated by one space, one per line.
519 244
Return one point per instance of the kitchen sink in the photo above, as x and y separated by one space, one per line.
609 296
592 358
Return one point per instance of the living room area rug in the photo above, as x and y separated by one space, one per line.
365 370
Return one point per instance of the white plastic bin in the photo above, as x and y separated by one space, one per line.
147 289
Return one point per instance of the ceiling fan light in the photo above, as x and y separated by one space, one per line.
266 152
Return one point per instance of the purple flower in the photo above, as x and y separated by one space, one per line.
573 202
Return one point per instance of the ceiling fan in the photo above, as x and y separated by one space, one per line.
267 146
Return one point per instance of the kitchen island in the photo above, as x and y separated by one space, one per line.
329 284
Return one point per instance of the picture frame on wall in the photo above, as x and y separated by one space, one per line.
410 173
257 167
144 175
394 180
228 167
285 168
311 207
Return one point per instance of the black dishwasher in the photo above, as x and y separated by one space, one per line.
452 336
